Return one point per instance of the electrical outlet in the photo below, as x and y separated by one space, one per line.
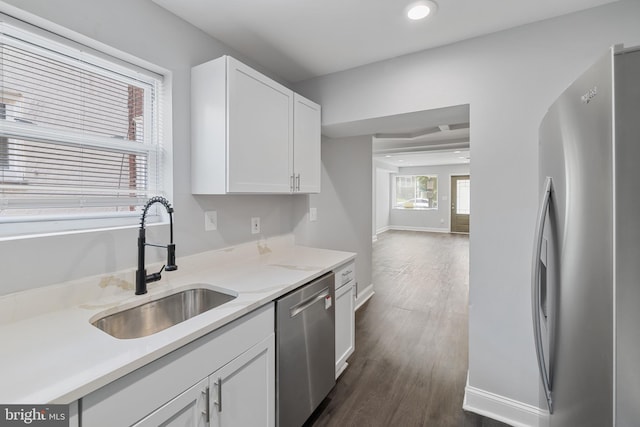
210 220
313 214
255 225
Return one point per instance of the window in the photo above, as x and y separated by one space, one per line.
416 192
463 196
79 134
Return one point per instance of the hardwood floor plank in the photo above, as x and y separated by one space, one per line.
410 363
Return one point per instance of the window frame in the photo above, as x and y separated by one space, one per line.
394 195
59 38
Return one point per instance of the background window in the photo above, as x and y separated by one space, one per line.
79 134
416 192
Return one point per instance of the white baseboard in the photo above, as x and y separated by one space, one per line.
364 295
383 229
427 229
341 369
512 412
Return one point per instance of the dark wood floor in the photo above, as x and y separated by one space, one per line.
410 363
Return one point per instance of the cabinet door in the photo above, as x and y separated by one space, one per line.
306 145
242 393
187 410
259 132
345 326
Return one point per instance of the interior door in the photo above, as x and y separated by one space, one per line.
460 203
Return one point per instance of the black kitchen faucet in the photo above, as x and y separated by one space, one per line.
141 274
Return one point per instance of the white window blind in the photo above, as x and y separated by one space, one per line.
79 134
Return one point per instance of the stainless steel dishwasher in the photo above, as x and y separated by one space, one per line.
305 350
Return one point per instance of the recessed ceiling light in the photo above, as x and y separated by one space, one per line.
387 156
457 152
421 10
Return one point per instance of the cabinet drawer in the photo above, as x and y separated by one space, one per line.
345 274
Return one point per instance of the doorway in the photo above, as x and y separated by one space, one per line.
460 203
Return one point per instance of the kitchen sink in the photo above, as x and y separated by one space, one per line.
157 315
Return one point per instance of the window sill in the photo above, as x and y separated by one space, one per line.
414 209
37 234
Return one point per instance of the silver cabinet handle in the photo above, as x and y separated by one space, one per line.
218 385
298 182
536 300
292 182
206 411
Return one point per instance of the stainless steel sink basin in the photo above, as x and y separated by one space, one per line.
157 315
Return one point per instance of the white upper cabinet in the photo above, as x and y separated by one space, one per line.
259 133
306 152
246 130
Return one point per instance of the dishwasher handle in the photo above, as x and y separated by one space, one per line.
303 305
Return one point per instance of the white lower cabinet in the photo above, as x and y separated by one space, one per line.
242 393
345 315
226 378
188 409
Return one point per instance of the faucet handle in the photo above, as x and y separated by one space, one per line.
171 257
154 277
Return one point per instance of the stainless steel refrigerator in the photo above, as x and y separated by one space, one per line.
586 260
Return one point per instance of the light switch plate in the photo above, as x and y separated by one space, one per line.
313 214
210 220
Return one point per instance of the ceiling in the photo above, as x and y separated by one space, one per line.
302 39
432 158
422 138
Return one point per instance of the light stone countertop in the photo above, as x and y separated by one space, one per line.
50 352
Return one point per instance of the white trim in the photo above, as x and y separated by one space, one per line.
500 408
383 229
363 296
341 369
427 229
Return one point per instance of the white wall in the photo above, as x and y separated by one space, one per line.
145 30
382 199
432 219
344 204
509 79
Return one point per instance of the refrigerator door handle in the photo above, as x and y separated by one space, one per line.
536 300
